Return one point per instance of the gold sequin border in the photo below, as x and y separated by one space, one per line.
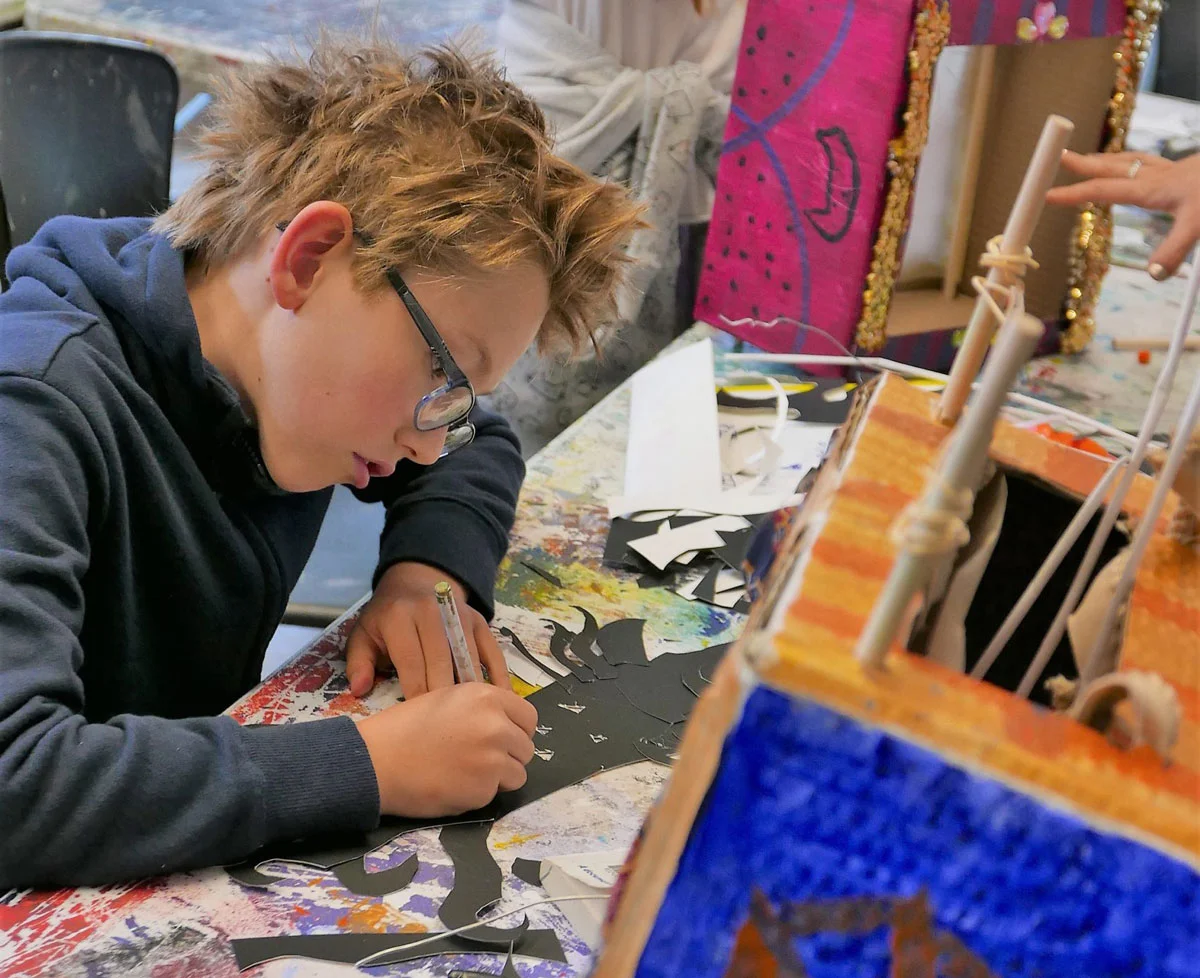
1091 244
930 31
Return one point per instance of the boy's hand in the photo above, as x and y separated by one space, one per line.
401 627
451 751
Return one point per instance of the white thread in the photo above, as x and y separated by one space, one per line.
367 962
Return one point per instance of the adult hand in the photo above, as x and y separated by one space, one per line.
401 628
1156 184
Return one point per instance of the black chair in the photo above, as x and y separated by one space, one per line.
86 127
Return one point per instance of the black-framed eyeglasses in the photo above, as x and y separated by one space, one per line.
449 404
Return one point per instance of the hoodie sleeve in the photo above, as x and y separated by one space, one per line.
85 802
457 513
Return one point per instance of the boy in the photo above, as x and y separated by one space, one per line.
375 240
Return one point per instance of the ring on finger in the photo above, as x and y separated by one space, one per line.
1134 167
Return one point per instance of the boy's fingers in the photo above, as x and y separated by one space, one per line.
491 655
521 712
512 775
361 655
435 647
404 649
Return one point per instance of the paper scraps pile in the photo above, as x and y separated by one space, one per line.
697 555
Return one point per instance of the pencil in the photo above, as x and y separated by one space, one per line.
463 664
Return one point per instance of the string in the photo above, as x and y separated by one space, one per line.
370 960
1014 266
925 529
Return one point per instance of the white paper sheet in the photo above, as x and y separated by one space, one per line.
673 448
731 503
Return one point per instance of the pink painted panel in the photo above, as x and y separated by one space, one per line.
801 184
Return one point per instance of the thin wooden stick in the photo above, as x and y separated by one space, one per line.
955 479
1096 664
1153 343
1021 221
964 208
1154 410
1046 571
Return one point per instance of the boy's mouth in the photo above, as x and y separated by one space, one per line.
366 469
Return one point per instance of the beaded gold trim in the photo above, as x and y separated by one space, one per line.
1092 242
930 31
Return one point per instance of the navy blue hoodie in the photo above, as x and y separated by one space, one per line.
145 560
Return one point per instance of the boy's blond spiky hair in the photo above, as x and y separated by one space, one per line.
440 160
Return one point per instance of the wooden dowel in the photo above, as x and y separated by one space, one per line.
1149 424
1153 343
1021 221
1034 590
960 231
959 472
1098 663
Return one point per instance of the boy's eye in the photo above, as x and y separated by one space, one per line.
435 368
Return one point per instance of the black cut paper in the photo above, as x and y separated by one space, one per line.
352 948
477 881
588 727
528 870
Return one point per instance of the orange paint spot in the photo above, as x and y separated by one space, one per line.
347 703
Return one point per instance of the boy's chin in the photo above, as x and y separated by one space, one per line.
294 476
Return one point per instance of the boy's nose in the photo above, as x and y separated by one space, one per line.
423 447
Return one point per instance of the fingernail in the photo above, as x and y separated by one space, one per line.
1157 272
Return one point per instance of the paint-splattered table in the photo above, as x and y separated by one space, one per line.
181 925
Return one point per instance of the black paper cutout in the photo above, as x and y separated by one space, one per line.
706 590
542 573
621 642
669 702
581 647
477 881
622 532
810 406
737 542
247 874
630 736
510 971
354 877
528 870
352 948
560 640
517 644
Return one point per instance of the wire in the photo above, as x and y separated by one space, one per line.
373 960
857 361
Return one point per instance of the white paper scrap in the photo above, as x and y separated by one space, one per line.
673 447
663 548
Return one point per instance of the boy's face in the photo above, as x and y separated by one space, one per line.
342 372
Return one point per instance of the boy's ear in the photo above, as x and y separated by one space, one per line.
322 231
